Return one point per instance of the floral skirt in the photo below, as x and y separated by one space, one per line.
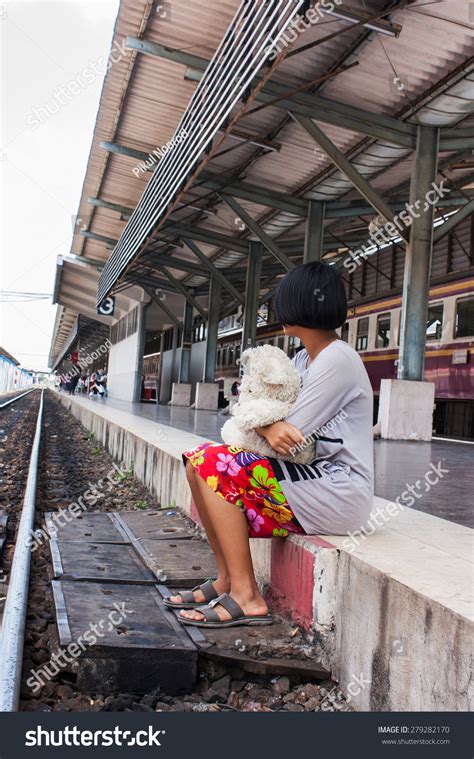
248 481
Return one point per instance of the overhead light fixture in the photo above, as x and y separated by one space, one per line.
355 17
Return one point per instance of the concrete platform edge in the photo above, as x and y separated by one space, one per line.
391 647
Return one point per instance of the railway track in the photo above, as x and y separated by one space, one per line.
14 615
5 400
58 470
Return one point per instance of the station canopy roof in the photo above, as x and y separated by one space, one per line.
365 76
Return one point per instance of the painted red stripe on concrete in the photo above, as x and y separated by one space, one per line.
292 581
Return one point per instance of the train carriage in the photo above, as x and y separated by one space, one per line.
373 329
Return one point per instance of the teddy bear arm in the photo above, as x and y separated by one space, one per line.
258 413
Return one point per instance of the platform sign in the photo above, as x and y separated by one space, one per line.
107 306
460 356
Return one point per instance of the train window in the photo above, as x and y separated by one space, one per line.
464 317
231 356
237 353
224 357
218 358
383 331
435 322
345 332
281 342
362 334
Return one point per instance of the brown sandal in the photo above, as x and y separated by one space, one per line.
212 619
187 599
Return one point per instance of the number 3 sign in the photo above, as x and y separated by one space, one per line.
107 306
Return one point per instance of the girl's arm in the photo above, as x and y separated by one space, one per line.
281 436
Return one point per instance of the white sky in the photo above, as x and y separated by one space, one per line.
44 45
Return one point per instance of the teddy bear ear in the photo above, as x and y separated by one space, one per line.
245 357
275 376
276 369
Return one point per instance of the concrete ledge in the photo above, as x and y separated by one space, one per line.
406 409
181 394
391 609
207 396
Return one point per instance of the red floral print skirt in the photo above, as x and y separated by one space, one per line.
247 480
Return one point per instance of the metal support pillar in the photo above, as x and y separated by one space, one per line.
416 278
313 241
252 290
141 329
215 291
186 343
160 367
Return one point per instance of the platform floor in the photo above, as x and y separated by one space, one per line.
397 464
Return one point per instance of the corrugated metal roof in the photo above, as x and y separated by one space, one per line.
144 97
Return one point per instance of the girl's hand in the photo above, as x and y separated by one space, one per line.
281 436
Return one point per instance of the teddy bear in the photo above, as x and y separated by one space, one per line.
269 388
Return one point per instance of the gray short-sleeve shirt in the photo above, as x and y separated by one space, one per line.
334 410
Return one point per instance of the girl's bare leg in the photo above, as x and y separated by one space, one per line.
228 525
222 584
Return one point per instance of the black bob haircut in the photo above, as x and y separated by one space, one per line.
312 295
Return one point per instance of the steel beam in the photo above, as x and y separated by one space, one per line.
174 263
281 201
215 292
257 230
214 270
184 291
252 292
114 147
256 194
186 343
336 209
456 139
345 166
99 203
99 238
416 280
314 106
208 236
313 241
141 279
453 221
162 305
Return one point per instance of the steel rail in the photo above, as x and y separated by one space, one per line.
16 398
14 616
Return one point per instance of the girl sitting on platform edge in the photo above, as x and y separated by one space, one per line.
241 495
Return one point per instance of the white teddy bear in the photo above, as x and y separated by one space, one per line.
269 388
